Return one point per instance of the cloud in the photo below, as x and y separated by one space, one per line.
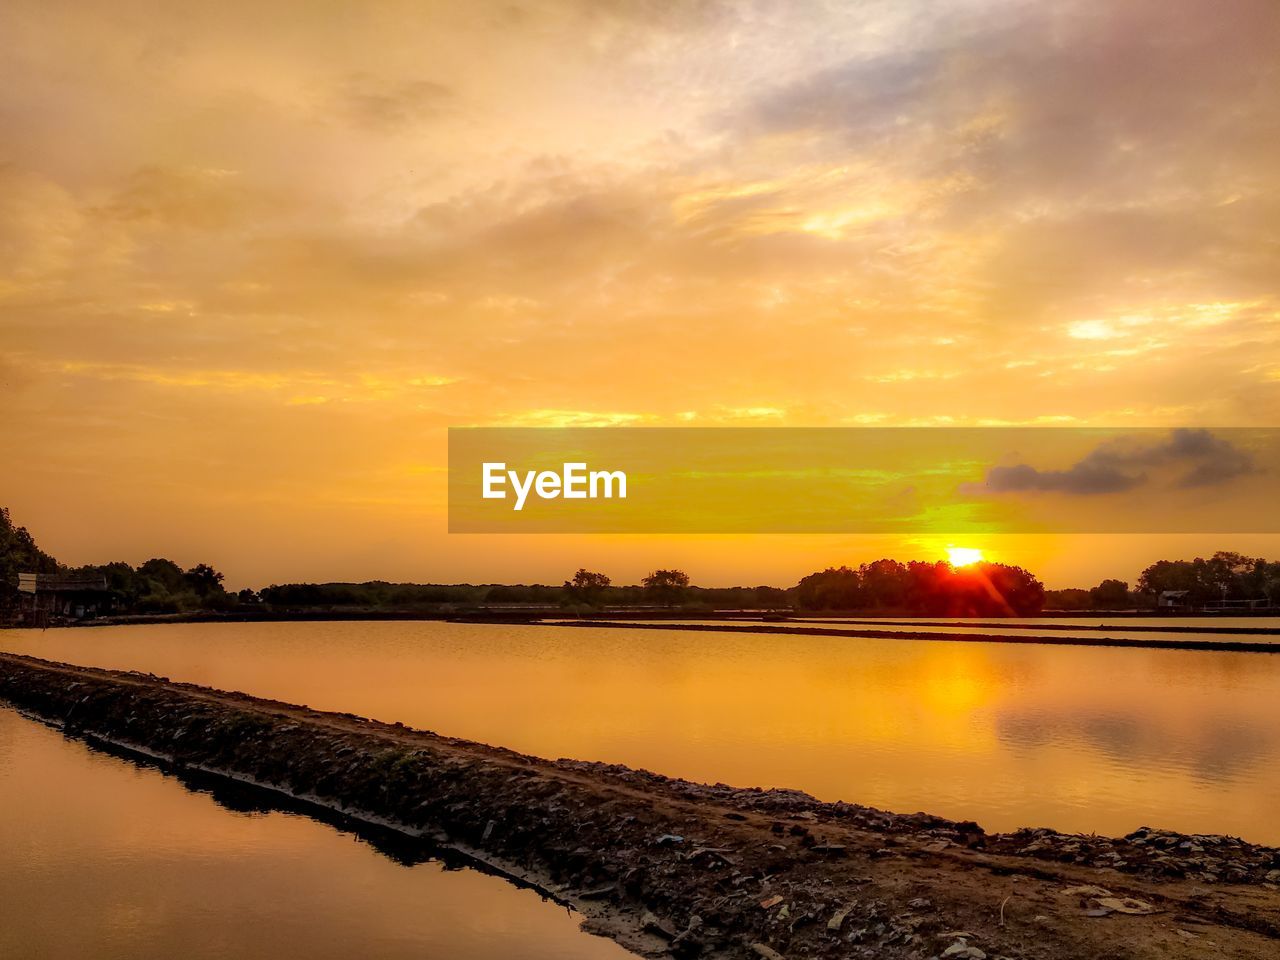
201 199
387 106
1117 465
616 212
1090 147
572 418
1082 478
1215 460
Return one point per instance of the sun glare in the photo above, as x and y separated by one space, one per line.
963 556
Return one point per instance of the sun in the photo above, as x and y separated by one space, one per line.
963 556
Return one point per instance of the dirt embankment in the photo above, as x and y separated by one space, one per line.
670 867
1237 646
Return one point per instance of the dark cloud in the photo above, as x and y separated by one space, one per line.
1082 478
1218 460
1120 465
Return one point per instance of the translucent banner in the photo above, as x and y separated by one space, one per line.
863 480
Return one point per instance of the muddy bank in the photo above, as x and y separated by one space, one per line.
241 616
1237 646
670 867
1053 627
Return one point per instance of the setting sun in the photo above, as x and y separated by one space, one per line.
963 556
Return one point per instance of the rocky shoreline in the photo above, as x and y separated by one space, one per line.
670 867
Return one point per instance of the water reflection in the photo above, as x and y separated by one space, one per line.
110 859
1088 739
1218 753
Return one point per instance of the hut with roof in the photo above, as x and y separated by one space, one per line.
62 596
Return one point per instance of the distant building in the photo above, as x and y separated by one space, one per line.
44 596
1174 598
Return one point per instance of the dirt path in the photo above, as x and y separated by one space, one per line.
1056 639
671 867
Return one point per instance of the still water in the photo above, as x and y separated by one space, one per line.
101 858
1076 738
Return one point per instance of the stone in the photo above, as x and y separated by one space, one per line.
830 849
962 951
653 924
1087 890
1129 905
710 856
838 918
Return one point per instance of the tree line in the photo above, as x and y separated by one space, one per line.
584 590
157 586
161 586
921 587
1225 579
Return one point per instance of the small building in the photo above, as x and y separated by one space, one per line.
46 596
1174 598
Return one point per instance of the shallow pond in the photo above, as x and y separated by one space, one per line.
102 858
1077 738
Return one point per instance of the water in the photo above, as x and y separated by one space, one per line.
1077 738
102 858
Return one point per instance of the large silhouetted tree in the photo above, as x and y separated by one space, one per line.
586 587
667 587
1109 595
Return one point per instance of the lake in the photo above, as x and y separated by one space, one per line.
100 857
1076 738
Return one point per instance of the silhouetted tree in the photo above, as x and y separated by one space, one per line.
1224 576
1072 598
586 587
19 553
1109 595
666 587
836 588
205 580
884 583
982 589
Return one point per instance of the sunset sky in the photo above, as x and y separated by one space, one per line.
256 258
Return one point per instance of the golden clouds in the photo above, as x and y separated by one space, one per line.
266 224
293 387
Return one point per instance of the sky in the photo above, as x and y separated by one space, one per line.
255 259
